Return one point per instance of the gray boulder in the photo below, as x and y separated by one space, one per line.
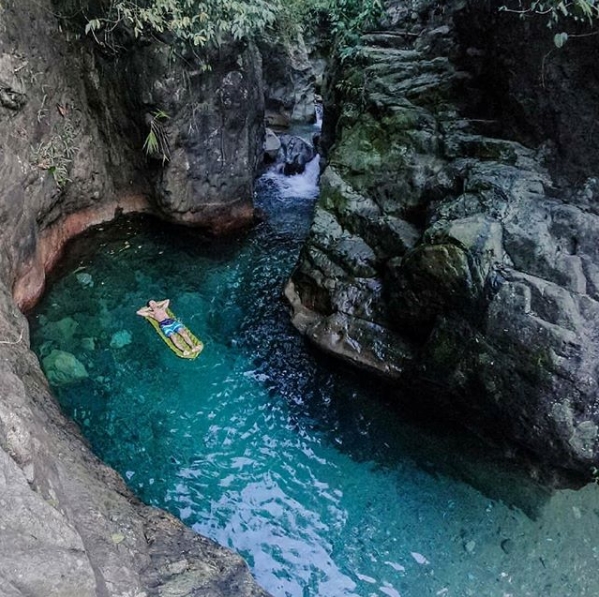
294 154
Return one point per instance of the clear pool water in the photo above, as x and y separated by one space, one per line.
301 465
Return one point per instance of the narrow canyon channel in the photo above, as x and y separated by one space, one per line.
299 464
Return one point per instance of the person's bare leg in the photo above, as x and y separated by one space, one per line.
185 334
180 345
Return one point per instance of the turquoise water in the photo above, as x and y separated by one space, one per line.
301 465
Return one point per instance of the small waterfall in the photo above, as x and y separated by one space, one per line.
304 185
318 111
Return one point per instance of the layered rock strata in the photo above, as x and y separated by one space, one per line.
443 255
73 120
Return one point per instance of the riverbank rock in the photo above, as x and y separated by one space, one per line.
215 130
442 228
272 144
288 82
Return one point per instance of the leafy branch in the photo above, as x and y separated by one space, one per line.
56 155
192 22
210 23
156 143
556 11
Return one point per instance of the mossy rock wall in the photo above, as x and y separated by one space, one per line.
474 263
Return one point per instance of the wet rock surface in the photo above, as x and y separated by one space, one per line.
450 241
288 82
294 154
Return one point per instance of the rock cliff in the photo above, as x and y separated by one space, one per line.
73 119
76 118
454 246
288 82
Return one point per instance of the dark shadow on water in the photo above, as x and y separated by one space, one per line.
80 251
371 420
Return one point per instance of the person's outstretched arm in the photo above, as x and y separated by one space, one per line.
144 311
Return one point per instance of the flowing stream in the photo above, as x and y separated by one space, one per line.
299 464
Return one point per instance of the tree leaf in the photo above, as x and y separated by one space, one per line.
559 39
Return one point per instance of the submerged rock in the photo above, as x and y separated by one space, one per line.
61 331
85 279
120 339
63 368
507 546
88 343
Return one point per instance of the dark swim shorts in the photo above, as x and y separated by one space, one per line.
170 327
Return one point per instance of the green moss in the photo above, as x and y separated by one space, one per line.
372 151
401 120
536 365
443 353
332 199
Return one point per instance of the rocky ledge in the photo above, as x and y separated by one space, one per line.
443 254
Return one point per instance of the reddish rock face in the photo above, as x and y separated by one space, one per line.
71 147
81 164
30 280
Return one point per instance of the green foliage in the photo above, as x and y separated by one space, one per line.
56 155
351 18
298 16
209 23
557 12
194 22
156 143
345 19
